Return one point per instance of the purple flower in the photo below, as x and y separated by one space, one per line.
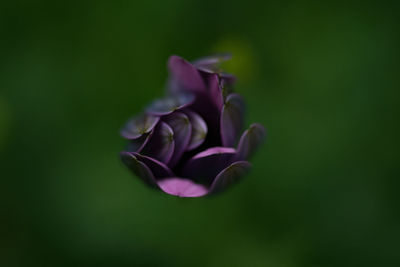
190 143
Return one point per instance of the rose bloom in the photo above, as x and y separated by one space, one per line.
190 143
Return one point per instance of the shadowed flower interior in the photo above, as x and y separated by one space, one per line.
191 142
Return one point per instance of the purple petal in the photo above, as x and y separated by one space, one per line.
232 119
182 129
227 79
159 169
138 126
204 166
199 130
230 175
136 145
184 76
138 168
211 63
169 104
182 187
204 107
250 141
161 144
214 89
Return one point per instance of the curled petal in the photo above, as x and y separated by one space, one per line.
230 175
249 141
161 144
159 169
232 119
139 126
138 168
169 104
184 77
182 187
182 129
199 130
204 166
136 145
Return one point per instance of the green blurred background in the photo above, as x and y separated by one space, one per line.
323 77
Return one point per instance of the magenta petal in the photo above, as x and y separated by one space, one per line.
182 187
182 129
138 168
232 119
138 126
250 141
204 166
230 175
199 130
161 144
159 169
184 76
169 104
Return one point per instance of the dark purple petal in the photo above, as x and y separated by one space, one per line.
232 119
169 104
136 145
204 166
227 78
182 187
182 129
214 90
230 175
161 144
138 168
204 107
250 141
138 126
184 77
159 169
211 63
199 130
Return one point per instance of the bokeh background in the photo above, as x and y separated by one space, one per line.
322 76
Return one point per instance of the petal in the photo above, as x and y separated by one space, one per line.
199 130
230 175
211 63
161 144
204 166
184 76
227 79
159 169
232 119
250 141
136 145
138 126
204 107
182 187
182 129
214 89
138 168
169 104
